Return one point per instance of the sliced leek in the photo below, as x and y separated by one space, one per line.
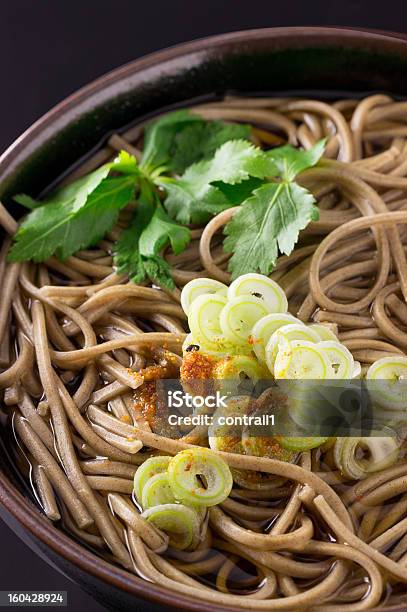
391 376
181 523
301 360
224 435
265 327
357 369
239 316
306 408
324 331
197 287
292 331
238 367
388 368
356 458
150 467
157 491
298 331
204 319
262 287
199 477
301 443
218 348
340 358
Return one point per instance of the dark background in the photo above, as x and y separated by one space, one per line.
50 48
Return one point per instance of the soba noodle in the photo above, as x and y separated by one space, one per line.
79 344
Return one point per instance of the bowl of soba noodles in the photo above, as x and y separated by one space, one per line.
203 326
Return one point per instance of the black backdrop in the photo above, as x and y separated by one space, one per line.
49 48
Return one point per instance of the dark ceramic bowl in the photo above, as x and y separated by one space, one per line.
322 61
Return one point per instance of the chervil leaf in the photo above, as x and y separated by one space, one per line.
236 194
179 139
233 162
291 161
62 228
27 201
159 139
76 216
75 194
158 270
127 258
160 231
189 202
150 231
200 140
194 198
124 163
267 222
72 196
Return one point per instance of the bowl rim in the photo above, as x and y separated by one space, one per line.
14 154
21 509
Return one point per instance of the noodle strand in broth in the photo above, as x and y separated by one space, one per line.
81 344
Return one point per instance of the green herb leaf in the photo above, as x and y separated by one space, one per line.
194 198
160 231
189 202
27 201
151 230
176 140
291 161
159 139
127 258
62 229
200 140
76 216
236 194
233 162
75 194
267 222
159 271
124 164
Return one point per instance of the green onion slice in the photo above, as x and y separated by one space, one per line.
287 333
203 319
150 467
340 358
157 491
222 435
324 331
262 287
180 522
238 367
358 457
219 348
199 477
197 287
301 360
390 392
239 316
265 327
301 444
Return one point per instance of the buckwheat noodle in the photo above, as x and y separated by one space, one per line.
79 344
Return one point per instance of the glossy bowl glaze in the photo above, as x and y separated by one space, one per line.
321 61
